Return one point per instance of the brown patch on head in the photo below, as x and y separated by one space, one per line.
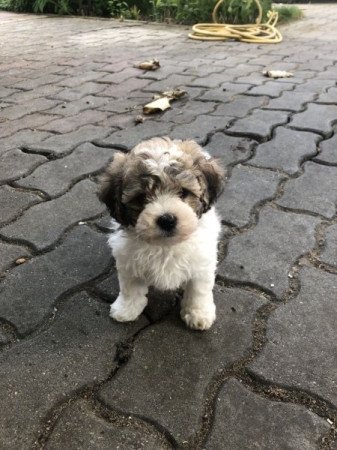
157 168
206 170
111 187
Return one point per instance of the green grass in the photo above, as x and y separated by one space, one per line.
288 14
180 11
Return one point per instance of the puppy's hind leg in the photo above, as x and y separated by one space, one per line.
131 300
197 307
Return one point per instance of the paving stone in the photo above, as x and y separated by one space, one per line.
10 253
82 256
271 89
4 105
173 81
37 82
64 143
126 139
120 77
227 75
125 105
166 70
32 121
109 287
121 121
259 124
240 105
229 149
104 223
291 101
187 111
246 188
47 369
17 111
68 124
4 338
301 332
213 80
315 65
6 92
23 138
154 386
56 176
44 224
286 151
254 79
75 107
314 191
225 93
77 80
317 118
329 254
264 254
315 86
328 150
123 89
76 93
48 90
14 201
261 423
201 127
80 427
328 97
15 164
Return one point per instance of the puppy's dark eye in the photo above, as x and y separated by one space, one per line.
139 199
183 193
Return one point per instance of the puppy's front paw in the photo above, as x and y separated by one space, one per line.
198 319
123 311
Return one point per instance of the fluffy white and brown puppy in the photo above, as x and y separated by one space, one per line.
162 194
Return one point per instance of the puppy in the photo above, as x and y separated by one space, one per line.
162 194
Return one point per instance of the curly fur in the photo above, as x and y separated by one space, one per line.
163 177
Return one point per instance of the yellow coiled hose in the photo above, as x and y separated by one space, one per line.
259 33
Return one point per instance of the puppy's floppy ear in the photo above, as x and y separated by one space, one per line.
214 176
111 188
213 173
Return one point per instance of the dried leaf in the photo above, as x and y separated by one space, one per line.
174 93
277 74
20 261
139 119
153 64
158 105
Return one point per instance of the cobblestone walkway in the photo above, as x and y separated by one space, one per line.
265 376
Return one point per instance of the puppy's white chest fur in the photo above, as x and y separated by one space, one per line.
168 266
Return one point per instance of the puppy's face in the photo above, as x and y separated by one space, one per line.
161 188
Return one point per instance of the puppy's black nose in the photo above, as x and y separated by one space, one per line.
167 222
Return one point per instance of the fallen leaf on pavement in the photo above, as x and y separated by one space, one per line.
174 93
20 261
153 64
277 74
139 119
158 105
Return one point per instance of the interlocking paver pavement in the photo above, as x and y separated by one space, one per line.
315 191
285 361
286 150
265 254
175 403
265 375
56 177
261 422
